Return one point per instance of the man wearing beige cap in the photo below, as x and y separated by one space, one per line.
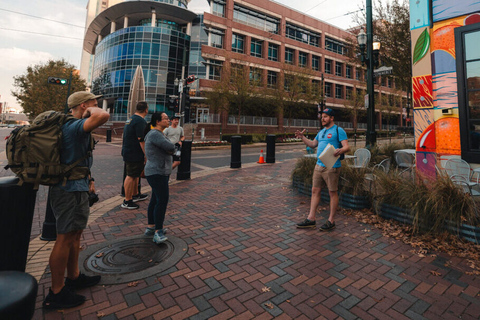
69 204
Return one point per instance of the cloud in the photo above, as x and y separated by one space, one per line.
16 59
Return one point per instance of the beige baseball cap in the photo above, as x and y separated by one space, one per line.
80 97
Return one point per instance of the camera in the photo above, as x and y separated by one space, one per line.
92 198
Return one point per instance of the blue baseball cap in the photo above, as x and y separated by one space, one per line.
329 111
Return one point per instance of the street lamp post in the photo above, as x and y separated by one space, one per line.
371 58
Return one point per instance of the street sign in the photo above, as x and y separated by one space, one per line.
366 101
383 71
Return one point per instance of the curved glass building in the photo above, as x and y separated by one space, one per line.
152 34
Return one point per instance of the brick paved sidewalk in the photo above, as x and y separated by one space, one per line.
246 260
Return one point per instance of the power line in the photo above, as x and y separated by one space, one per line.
345 14
315 6
29 15
42 34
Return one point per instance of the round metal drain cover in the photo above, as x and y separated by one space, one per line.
130 259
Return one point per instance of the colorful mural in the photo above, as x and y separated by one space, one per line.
434 78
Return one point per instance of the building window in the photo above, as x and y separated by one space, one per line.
237 43
255 19
301 34
348 92
338 69
255 76
328 66
272 79
302 59
348 72
289 54
214 69
467 46
389 82
288 82
272 52
218 8
256 48
358 74
338 91
216 38
315 63
316 87
328 89
335 46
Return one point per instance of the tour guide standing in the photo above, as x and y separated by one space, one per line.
133 152
70 204
336 136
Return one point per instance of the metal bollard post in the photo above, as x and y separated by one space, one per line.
49 229
270 148
109 135
183 172
236 158
16 214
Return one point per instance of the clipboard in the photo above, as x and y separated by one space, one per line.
328 156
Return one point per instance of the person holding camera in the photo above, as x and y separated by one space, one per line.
176 135
158 150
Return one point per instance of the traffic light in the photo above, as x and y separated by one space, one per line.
190 79
56 80
171 103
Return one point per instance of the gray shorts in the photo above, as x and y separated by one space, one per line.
70 209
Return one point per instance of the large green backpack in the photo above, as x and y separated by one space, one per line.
33 152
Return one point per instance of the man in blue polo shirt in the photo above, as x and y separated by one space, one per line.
336 136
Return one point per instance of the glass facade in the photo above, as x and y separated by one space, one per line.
160 50
302 34
328 66
197 65
218 8
316 63
255 19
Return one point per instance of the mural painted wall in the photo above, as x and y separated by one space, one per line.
434 78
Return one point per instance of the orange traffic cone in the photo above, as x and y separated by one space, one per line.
261 160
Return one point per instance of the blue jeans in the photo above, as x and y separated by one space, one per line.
158 203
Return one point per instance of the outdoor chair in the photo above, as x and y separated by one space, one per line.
460 173
361 158
384 166
405 161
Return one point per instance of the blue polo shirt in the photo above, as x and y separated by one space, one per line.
329 136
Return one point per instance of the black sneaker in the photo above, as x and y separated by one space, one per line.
140 197
129 205
306 224
327 226
62 300
83 281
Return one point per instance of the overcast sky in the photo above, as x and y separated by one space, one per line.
26 40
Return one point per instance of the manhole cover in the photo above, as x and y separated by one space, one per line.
130 259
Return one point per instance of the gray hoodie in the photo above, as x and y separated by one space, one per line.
158 150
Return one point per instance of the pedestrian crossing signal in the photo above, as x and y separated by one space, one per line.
59 81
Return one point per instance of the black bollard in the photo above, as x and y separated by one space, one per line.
183 172
16 215
270 148
109 135
18 293
236 158
49 229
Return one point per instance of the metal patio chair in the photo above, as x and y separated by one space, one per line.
362 158
405 162
461 173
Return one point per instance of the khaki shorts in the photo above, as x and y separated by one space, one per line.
134 168
323 177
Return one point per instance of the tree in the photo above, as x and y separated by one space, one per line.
36 95
354 106
295 92
391 26
235 91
